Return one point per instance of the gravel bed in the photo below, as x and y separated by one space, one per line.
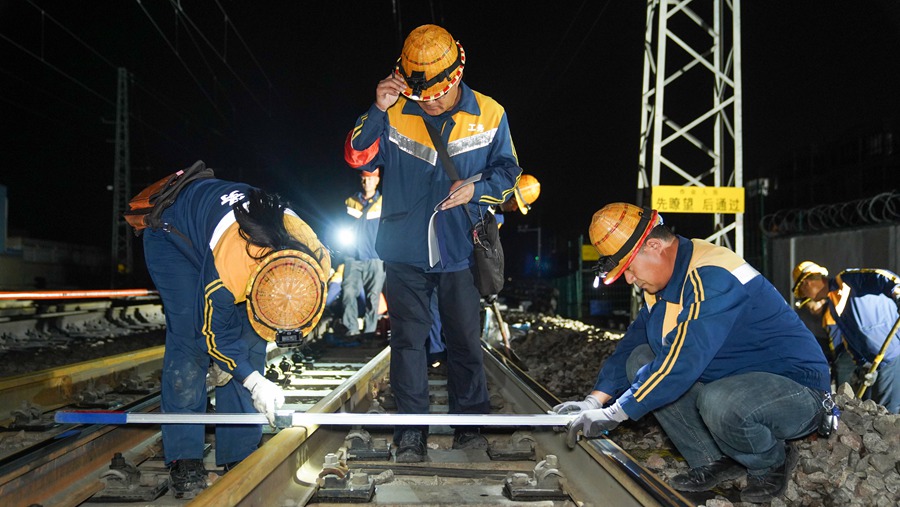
859 465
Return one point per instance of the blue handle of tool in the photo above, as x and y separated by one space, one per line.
89 417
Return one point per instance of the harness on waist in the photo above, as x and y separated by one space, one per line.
146 208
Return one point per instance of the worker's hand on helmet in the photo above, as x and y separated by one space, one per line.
576 407
595 423
267 397
388 91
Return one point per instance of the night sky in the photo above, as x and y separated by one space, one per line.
265 92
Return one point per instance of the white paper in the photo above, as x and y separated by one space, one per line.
434 249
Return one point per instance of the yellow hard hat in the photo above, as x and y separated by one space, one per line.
617 231
527 191
286 296
431 62
803 270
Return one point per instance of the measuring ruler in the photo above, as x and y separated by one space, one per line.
289 418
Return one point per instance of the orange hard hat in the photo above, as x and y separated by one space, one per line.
618 231
286 296
803 270
431 62
527 191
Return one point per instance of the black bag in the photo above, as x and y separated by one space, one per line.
488 267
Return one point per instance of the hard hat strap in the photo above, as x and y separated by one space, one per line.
416 79
522 199
608 262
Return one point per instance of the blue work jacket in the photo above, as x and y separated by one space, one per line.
861 313
716 317
414 180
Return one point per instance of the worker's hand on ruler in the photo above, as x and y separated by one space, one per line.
267 397
576 407
595 423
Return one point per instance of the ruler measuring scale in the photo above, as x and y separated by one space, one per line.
290 418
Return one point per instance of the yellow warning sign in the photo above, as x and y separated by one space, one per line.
679 199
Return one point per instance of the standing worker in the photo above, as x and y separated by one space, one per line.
861 308
715 353
363 270
426 88
236 269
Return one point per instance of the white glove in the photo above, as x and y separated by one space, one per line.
267 397
577 407
594 423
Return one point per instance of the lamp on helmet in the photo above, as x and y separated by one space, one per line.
618 231
286 296
527 191
802 271
431 63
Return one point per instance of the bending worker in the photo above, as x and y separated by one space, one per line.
424 91
363 270
715 353
861 309
236 269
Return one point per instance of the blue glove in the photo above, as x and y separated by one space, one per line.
595 423
577 407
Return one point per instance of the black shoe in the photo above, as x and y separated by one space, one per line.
228 466
411 448
764 488
469 439
708 476
187 477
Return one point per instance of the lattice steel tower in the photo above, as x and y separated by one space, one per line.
121 258
691 125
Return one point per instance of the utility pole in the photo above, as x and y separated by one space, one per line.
691 123
121 258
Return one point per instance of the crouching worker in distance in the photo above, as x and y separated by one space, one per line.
716 354
236 269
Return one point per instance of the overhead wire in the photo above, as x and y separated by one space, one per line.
180 59
221 56
138 84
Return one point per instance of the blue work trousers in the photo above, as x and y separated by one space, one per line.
366 276
408 292
186 361
886 389
747 417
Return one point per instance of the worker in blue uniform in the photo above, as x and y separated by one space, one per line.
861 309
236 269
363 270
715 353
419 197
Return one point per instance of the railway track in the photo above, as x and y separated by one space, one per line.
321 465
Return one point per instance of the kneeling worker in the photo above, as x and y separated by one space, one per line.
726 367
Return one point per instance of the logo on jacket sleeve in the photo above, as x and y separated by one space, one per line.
233 197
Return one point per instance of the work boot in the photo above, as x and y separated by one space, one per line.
469 438
411 448
706 477
187 477
764 488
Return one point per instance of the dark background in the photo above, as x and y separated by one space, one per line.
265 92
